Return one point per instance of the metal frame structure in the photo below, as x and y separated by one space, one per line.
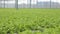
16 5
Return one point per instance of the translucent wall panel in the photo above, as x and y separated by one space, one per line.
7 3
10 4
30 4
43 4
22 3
33 2
55 3
2 3
48 4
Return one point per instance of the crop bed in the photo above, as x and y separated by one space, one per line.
29 21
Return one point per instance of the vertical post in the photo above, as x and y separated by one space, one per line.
50 3
27 3
0 3
7 3
16 4
37 4
4 3
56 4
30 3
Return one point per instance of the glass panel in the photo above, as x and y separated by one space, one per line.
10 3
22 3
43 4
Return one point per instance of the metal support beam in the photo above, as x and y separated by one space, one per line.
30 3
4 3
37 3
50 3
16 4
0 4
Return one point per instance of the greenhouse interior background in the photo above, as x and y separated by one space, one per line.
30 3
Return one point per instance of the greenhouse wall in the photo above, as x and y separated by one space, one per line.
30 4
